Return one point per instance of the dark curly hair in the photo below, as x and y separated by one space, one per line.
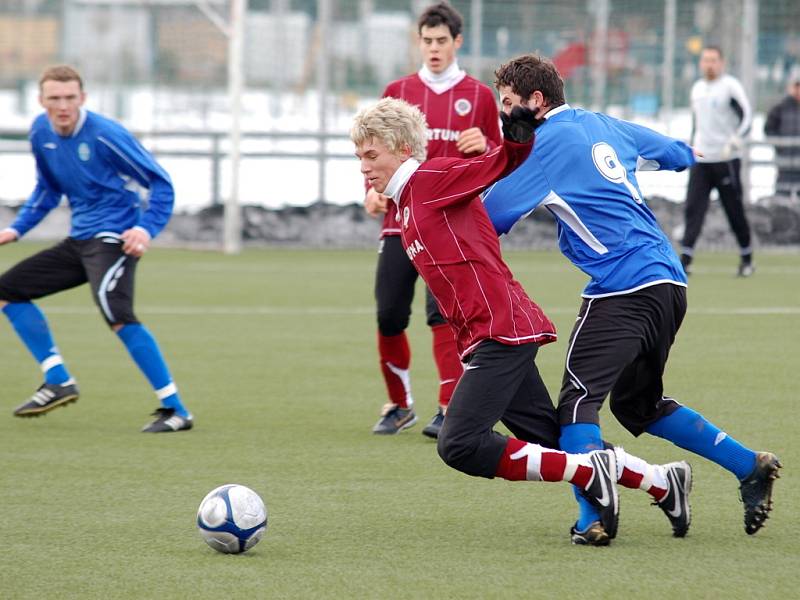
528 73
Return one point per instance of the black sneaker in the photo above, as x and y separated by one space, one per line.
166 421
745 269
755 491
675 503
46 398
686 263
433 428
394 419
602 489
593 535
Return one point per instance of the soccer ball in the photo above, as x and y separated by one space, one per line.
232 518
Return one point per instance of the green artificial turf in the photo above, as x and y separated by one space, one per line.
274 353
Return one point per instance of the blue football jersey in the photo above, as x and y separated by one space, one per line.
583 170
101 169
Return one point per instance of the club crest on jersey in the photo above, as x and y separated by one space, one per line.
413 249
462 106
406 213
83 151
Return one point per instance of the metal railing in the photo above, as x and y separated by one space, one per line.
212 146
215 149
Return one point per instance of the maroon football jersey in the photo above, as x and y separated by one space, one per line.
467 104
454 247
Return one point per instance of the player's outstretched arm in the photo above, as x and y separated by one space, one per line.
450 181
659 152
36 207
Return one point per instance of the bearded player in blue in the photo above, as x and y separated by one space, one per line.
100 167
582 169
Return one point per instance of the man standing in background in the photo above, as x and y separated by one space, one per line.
462 121
100 167
783 120
721 118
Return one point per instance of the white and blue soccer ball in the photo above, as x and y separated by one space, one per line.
232 518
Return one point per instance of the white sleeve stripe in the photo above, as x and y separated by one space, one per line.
647 164
563 211
39 199
464 193
123 157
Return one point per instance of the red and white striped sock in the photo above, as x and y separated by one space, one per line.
532 462
395 355
445 354
635 473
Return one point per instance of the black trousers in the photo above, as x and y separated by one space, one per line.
724 176
500 383
395 279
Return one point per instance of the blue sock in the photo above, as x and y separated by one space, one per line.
579 438
31 326
144 350
690 430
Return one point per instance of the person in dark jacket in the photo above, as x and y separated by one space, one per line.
783 120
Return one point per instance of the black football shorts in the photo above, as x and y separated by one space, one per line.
619 346
70 263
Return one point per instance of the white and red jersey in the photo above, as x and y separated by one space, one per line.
469 103
453 245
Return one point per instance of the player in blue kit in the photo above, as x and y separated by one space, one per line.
101 168
582 170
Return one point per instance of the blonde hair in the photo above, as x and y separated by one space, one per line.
394 122
62 73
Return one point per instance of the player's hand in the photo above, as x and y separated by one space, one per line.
135 242
375 203
471 141
7 236
520 124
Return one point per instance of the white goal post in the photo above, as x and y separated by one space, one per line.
233 28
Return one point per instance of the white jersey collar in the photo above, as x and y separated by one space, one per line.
81 121
78 125
441 82
398 181
556 110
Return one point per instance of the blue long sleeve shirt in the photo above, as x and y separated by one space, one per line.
583 170
104 172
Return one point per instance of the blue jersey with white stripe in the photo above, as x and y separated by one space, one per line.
583 170
101 169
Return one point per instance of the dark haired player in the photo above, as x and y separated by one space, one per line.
462 119
583 171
